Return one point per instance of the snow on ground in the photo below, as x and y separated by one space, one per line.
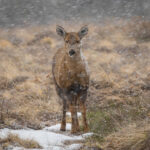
50 138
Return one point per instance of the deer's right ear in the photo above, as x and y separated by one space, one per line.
83 31
60 31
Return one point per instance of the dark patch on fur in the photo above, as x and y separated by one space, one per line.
76 89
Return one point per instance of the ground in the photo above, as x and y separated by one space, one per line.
47 138
119 94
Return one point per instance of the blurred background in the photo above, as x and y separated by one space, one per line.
17 12
117 49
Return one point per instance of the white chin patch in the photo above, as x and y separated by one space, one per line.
71 56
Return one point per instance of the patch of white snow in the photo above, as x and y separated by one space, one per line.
47 137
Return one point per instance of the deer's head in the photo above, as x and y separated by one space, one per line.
72 40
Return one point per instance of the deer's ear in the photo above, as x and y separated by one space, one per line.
83 31
60 31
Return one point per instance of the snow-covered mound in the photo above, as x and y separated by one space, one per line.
50 138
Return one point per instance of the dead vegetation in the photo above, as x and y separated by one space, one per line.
118 57
139 29
131 137
14 140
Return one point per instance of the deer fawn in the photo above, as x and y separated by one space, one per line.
71 77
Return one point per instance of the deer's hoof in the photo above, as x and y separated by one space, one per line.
86 130
62 129
74 131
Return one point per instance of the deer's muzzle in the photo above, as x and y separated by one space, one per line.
72 52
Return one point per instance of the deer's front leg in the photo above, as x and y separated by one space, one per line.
83 110
74 117
63 122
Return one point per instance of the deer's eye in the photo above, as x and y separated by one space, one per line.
67 41
78 41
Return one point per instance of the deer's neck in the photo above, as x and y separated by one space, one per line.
75 65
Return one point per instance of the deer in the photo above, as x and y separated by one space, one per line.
71 77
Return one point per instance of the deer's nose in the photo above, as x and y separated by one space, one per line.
72 52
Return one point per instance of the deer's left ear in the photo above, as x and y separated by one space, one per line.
83 31
60 31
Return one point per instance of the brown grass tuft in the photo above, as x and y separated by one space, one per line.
5 44
129 138
14 140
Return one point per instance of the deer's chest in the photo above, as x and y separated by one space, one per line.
74 74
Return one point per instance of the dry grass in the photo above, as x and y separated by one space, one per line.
14 140
132 137
129 138
114 115
139 29
119 71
